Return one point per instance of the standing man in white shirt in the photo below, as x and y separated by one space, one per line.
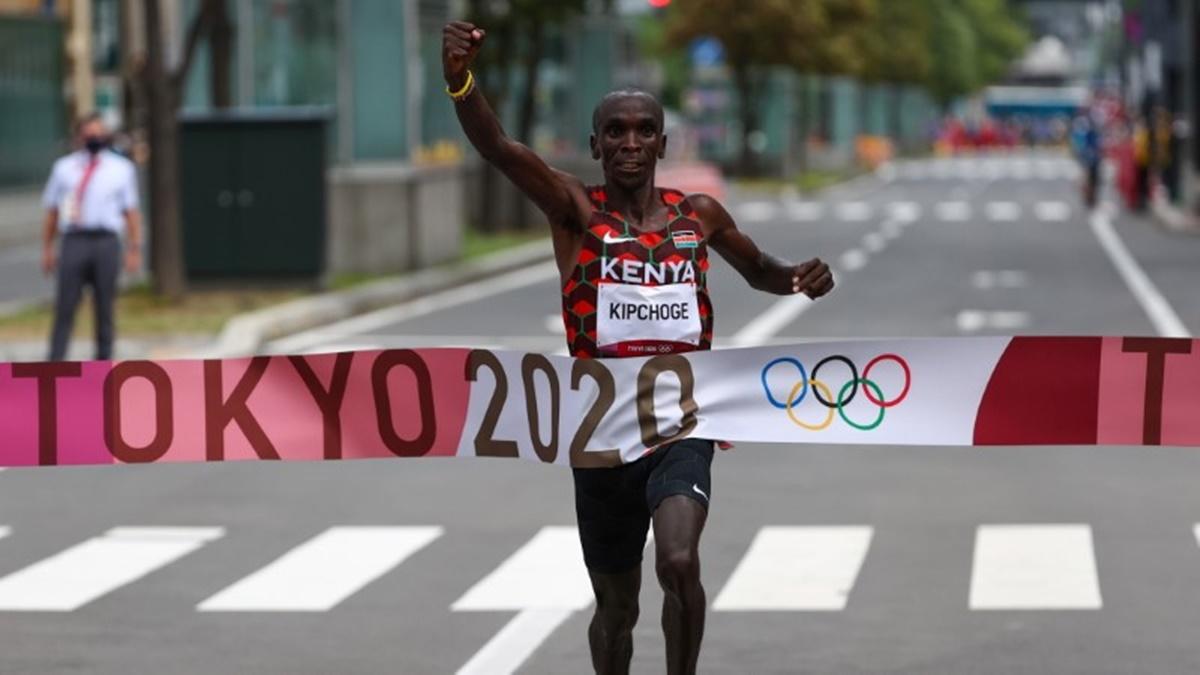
91 199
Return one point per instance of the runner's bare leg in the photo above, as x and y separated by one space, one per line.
610 634
678 522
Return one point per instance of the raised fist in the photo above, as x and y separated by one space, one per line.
460 43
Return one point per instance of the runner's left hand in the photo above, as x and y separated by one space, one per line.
813 278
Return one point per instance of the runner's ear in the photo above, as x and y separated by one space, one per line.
594 146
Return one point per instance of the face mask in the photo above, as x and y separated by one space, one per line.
94 144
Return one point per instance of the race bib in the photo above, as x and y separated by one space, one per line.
630 314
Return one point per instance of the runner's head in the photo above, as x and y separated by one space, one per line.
627 137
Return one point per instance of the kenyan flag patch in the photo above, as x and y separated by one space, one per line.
685 239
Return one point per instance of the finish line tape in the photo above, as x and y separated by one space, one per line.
560 410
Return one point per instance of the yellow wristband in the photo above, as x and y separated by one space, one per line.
466 88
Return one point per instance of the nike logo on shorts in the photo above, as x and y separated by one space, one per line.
697 490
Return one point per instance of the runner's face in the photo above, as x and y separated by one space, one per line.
630 142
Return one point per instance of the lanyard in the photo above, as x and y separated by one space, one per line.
83 183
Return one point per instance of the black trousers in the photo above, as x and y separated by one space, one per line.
87 258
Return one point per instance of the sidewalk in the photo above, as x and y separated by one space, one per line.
1173 216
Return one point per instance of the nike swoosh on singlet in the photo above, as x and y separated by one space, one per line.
609 239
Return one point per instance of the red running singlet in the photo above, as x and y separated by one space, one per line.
635 293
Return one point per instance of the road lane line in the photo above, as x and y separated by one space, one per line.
459 295
516 642
973 320
874 242
78 575
853 259
797 569
323 571
1034 567
546 581
1162 315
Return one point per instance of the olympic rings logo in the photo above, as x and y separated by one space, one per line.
824 394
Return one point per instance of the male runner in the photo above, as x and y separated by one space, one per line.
633 261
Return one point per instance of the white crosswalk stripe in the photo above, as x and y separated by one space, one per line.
853 211
785 568
757 211
798 210
1034 567
796 569
323 571
953 211
1052 211
80 574
1002 211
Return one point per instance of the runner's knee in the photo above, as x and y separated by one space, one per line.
678 568
617 611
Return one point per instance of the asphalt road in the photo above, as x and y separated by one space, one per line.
899 560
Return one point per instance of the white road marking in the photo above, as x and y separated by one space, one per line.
892 229
913 170
798 210
323 571
989 279
1052 211
78 575
886 172
797 569
904 211
1004 211
873 242
974 320
1034 567
766 325
1162 315
853 259
953 211
546 581
516 642
757 211
433 302
1021 169
853 211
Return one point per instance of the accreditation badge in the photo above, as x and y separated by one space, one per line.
653 317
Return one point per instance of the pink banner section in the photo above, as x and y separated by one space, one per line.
396 403
462 402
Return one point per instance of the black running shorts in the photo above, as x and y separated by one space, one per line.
613 506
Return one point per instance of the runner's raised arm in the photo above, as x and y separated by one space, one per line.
549 189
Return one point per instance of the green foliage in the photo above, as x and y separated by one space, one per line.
811 36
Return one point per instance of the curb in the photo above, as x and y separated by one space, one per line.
1172 217
247 333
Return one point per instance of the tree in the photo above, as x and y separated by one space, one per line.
815 36
516 37
974 41
161 91
896 49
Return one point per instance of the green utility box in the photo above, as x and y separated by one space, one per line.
253 194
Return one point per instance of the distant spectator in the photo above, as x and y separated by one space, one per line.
91 199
